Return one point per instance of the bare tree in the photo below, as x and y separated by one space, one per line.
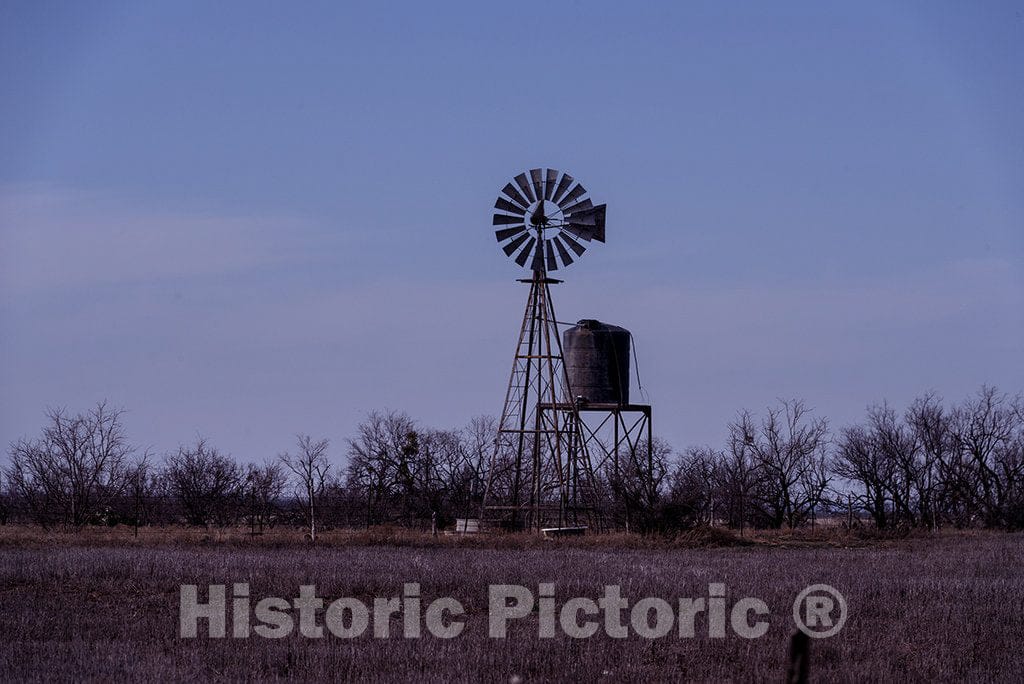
441 480
868 471
894 465
379 461
908 472
142 485
206 484
407 474
5 500
76 468
689 499
264 486
788 448
310 467
964 466
736 480
638 484
989 433
478 438
932 427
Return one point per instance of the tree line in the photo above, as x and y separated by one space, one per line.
930 465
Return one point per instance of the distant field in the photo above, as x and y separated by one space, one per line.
103 606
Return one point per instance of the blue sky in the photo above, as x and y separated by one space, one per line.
248 220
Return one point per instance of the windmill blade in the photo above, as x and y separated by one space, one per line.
549 184
582 232
537 176
573 245
525 254
513 194
514 245
573 195
552 264
563 185
525 187
503 220
599 212
538 257
562 252
506 233
593 219
576 208
511 208
586 216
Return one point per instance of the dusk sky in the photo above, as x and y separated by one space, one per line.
248 220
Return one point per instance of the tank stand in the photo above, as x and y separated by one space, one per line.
616 441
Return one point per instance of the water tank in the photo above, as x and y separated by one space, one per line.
597 362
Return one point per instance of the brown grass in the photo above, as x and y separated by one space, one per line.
25 536
102 605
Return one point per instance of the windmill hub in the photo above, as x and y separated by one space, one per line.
545 214
538 218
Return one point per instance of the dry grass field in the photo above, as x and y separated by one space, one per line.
104 605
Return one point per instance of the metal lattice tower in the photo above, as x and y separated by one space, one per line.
539 474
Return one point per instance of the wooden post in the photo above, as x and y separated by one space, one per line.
799 658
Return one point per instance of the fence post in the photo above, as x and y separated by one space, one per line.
799 658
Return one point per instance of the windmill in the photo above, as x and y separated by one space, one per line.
540 472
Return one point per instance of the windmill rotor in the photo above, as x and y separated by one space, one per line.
544 217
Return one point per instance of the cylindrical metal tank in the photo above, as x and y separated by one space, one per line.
597 362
